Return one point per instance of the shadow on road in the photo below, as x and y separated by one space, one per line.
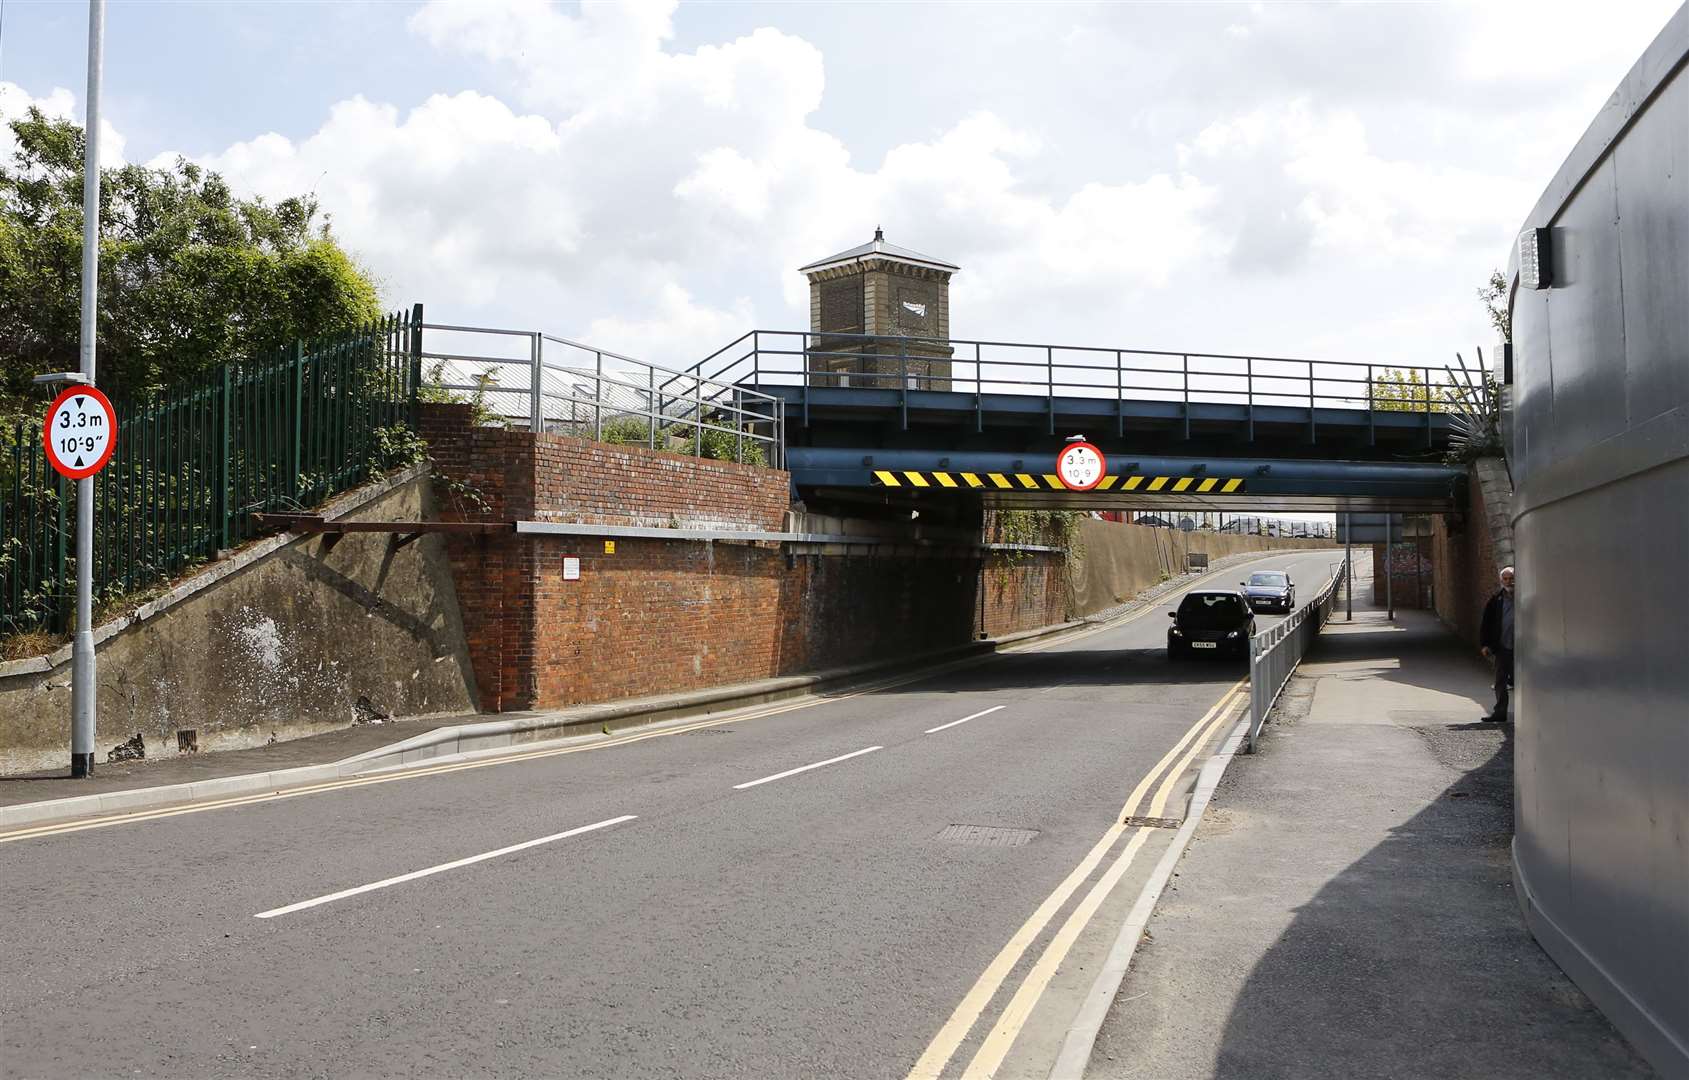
1090 667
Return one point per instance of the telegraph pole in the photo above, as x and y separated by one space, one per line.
1418 567
1389 565
1349 561
82 686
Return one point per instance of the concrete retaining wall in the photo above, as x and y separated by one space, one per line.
279 641
1117 561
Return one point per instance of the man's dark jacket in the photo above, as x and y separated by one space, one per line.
1489 630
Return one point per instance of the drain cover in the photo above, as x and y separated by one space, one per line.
1136 822
987 836
708 731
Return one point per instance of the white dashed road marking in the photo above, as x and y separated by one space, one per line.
442 868
965 719
806 768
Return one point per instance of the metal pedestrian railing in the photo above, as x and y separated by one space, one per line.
553 384
769 358
1275 652
193 462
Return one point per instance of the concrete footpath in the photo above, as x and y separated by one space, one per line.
1345 908
110 777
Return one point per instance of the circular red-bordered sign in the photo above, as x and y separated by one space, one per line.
80 432
1081 466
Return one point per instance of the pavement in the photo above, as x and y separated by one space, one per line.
845 886
1345 907
112 777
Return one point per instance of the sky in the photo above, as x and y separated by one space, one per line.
1285 179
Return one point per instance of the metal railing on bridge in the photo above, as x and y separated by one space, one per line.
771 358
1275 652
553 384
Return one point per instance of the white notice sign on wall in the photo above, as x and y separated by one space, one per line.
571 568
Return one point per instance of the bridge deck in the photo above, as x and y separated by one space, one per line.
857 389
1292 430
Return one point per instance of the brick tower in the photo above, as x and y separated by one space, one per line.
894 305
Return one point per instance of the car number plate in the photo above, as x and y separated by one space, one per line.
1205 644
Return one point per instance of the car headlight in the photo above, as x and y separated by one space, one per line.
1234 633
1176 632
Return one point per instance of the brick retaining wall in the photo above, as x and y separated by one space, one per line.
658 616
1467 551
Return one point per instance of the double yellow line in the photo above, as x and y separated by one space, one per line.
1001 1036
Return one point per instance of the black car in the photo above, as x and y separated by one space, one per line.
1211 621
1270 590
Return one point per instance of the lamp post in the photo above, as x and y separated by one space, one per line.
1349 561
1389 565
82 685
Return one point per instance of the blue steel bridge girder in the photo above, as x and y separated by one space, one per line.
833 380
927 416
1026 480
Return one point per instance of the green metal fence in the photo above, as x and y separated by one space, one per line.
195 461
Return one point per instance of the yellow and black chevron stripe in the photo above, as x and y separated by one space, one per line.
994 481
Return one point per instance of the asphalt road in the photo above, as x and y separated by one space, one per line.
735 912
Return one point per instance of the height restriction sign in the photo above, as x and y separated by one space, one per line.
1081 466
81 432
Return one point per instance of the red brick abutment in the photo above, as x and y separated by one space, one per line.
559 620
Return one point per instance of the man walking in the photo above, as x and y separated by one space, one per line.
1495 640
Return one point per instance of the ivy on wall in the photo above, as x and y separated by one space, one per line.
1035 528
1044 528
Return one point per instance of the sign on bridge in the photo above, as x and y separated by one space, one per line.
1379 528
81 432
1081 466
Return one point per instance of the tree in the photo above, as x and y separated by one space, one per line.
190 274
1475 426
1494 296
1405 390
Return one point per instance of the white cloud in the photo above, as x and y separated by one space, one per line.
58 104
1264 163
449 199
668 212
1332 192
610 52
674 325
727 180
